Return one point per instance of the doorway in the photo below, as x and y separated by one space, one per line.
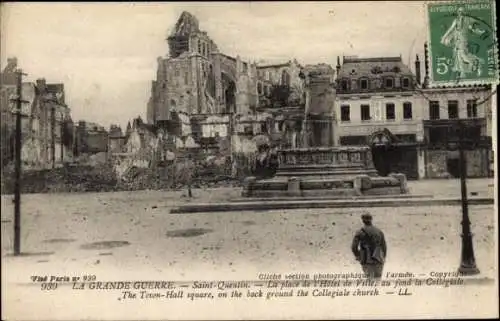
453 167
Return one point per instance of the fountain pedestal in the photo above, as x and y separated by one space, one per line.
325 171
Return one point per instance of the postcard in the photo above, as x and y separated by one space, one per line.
249 160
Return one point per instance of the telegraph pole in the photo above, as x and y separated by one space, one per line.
17 182
467 260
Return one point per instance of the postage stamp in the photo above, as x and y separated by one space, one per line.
247 160
463 48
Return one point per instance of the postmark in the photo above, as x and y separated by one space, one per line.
463 49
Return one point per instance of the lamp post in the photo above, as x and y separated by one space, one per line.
467 259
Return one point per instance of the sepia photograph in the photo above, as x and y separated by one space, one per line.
249 160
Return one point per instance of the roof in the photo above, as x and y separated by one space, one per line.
373 67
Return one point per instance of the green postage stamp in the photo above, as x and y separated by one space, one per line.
463 46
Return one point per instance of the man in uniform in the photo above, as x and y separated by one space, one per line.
369 248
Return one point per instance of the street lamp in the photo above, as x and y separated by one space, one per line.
467 259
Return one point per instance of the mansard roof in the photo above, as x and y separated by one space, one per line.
373 67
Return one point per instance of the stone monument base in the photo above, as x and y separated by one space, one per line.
333 171
361 185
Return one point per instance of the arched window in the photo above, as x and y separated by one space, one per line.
389 82
405 82
363 83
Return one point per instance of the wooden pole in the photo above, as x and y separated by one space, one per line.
17 182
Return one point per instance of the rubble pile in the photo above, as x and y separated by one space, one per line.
102 177
65 179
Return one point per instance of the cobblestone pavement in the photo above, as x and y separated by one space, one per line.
235 246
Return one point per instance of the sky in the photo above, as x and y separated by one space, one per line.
105 53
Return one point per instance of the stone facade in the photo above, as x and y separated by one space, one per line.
197 79
373 94
441 108
201 94
90 138
117 139
287 77
46 121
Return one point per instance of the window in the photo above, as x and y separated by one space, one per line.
472 108
248 129
363 84
434 110
452 109
259 88
406 82
389 82
390 112
186 78
407 111
268 76
344 84
365 112
263 127
345 113
199 47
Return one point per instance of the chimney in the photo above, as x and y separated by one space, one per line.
417 70
338 65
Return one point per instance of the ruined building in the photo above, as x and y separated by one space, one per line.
45 119
197 79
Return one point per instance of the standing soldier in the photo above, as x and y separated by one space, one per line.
369 248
